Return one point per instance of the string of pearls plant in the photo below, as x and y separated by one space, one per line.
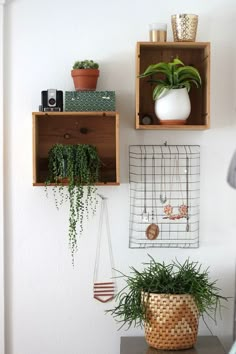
76 168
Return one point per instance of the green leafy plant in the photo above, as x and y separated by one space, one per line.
85 64
161 278
79 165
173 75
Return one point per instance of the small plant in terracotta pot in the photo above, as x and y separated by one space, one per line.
85 74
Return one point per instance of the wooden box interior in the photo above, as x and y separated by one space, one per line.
193 54
99 129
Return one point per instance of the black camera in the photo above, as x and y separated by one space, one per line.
51 101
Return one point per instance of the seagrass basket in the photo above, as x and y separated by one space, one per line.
172 321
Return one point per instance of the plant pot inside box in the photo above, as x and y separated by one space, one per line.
173 106
172 82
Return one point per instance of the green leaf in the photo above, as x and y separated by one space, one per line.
174 74
161 278
158 90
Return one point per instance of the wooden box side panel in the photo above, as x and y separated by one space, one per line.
97 130
117 149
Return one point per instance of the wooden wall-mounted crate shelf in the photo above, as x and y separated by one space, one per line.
196 54
96 128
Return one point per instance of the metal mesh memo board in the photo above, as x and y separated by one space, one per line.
164 191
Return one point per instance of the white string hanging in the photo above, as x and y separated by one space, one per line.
104 291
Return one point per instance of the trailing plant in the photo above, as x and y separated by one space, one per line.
173 75
85 64
161 278
80 165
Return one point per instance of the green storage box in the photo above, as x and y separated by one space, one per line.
90 101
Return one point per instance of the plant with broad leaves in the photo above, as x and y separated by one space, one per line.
173 75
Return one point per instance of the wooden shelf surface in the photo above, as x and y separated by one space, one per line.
138 345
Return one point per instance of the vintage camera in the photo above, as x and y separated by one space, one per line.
51 101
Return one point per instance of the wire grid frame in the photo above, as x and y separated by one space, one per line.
159 176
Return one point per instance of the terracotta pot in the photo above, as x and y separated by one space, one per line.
172 321
85 79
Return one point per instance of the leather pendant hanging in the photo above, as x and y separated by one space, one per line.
152 231
104 292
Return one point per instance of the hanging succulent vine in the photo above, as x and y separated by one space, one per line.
80 165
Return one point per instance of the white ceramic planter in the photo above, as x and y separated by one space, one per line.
173 106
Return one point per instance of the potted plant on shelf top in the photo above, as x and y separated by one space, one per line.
172 82
85 74
76 166
168 299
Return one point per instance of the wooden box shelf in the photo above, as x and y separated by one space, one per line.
96 128
196 54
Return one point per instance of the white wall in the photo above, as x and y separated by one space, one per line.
50 308
2 315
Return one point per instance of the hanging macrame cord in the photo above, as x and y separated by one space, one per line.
104 291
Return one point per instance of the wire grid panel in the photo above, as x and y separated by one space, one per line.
165 191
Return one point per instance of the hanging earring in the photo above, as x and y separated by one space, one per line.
152 230
145 216
168 209
187 192
183 208
163 198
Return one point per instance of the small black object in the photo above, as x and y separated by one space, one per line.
146 120
51 100
83 130
67 136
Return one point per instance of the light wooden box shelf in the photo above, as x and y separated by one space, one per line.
196 54
96 128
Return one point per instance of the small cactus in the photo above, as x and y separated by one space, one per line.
85 64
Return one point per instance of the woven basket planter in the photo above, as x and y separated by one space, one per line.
172 321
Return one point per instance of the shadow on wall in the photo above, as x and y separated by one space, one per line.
231 178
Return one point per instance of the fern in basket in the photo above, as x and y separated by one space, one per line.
160 278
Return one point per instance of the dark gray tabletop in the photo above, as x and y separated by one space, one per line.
138 345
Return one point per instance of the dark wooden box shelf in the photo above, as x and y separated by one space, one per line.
196 54
96 128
